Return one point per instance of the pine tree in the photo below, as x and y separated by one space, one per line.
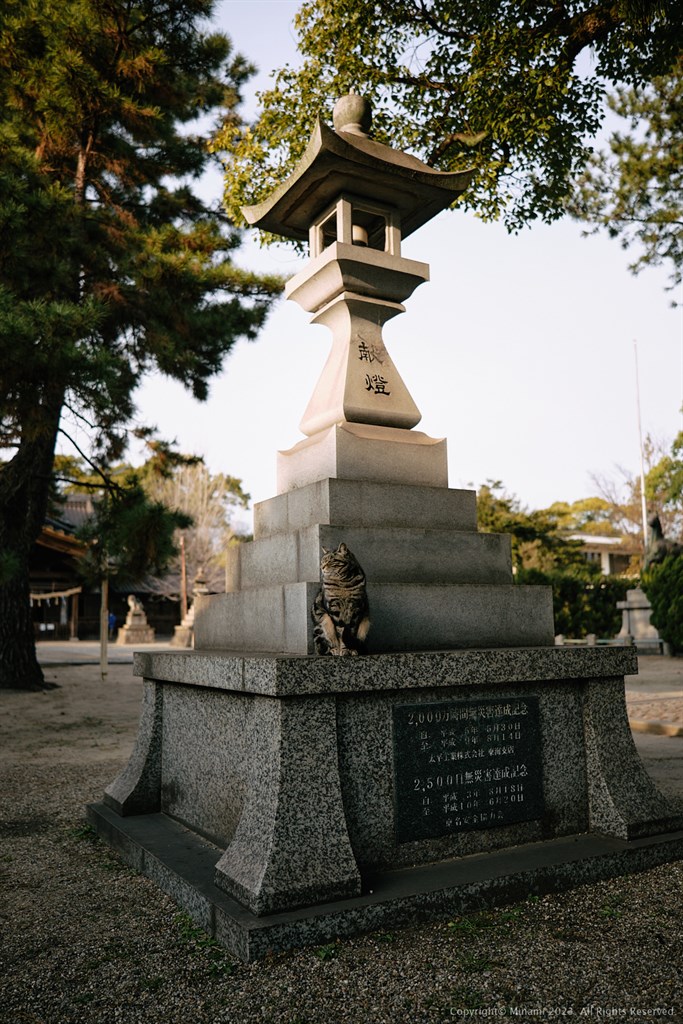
110 264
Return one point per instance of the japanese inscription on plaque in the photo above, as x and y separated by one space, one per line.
463 765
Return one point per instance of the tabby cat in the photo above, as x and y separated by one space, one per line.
340 611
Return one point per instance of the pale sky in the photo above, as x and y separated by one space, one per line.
520 350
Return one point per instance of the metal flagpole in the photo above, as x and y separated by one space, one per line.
643 502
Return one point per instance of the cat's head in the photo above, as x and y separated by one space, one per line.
339 563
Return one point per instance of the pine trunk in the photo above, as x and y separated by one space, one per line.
19 668
24 491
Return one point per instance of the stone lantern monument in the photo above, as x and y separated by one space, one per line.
286 798
363 475
354 200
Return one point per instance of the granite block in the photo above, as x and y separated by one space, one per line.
404 617
298 600
407 617
364 503
304 787
274 619
291 846
106 823
219 745
366 749
359 451
202 781
287 676
137 789
387 555
624 801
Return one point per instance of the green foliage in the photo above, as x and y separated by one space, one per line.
538 540
489 85
635 189
584 601
116 266
663 493
664 488
139 511
471 925
663 584
582 604
328 952
588 515
130 535
196 938
613 907
85 833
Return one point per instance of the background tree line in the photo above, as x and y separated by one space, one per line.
544 545
543 551
111 266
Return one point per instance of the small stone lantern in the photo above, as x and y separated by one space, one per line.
354 199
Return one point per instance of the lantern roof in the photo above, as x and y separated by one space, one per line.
348 162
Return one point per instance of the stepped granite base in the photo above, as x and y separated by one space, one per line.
289 800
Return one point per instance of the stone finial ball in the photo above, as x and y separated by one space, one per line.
352 113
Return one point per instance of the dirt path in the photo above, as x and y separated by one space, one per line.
83 720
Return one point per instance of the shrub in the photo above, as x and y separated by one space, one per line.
663 584
582 604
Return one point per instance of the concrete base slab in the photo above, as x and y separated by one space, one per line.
183 865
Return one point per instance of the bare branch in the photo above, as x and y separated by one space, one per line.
110 484
422 14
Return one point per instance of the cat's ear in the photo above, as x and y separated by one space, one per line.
326 551
342 549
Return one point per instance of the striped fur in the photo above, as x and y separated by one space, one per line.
340 611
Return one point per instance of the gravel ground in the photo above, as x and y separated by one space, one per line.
87 940
655 697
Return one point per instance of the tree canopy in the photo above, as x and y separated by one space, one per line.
497 86
634 189
111 265
540 538
132 532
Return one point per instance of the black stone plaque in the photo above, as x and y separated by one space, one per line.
464 765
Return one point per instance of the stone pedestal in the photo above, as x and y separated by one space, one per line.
285 798
325 796
183 634
136 629
354 451
636 625
436 583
